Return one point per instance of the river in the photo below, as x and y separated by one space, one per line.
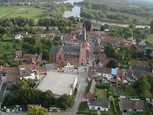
76 13
75 10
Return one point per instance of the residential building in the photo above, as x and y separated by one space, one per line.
128 105
67 38
90 90
47 34
20 35
28 58
102 104
139 65
116 41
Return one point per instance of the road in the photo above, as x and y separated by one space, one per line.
2 92
81 91
82 76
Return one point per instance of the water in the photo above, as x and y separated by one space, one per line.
75 10
76 13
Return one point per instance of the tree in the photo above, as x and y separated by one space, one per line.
151 26
65 101
47 99
112 64
36 110
143 86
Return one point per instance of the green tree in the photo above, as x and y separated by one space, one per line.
151 26
47 99
36 110
65 101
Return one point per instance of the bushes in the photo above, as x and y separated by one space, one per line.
102 86
114 106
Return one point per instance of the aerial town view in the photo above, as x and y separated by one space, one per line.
76 57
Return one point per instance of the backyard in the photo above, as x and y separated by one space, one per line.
101 93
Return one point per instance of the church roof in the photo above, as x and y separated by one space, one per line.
55 49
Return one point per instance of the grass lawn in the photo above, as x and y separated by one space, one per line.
24 11
150 38
9 47
101 93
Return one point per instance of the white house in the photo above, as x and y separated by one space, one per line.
27 74
107 74
20 35
69 68
102 104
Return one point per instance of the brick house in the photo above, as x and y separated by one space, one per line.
90 90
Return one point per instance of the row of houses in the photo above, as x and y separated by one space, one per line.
103 104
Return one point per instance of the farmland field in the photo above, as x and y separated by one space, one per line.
24 11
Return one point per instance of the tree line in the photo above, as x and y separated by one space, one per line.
23 93
19 21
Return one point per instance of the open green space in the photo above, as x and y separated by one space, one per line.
101 93
30 12
150 38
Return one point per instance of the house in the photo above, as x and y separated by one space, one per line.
29 71
69 68
101 57
91 72
107 74
28 58
102 104
20 35
128 105
9 74
116 41
90 90
18 53
67 37
139 65
50 35
26 73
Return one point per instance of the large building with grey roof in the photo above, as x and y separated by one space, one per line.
59 83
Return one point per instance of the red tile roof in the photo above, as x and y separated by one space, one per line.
117 40
139 63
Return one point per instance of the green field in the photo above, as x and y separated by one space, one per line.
150 38
23 11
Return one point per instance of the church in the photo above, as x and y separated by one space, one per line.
73 54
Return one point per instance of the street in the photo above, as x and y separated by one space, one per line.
82 76
2 92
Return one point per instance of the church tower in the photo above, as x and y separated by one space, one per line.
83 53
